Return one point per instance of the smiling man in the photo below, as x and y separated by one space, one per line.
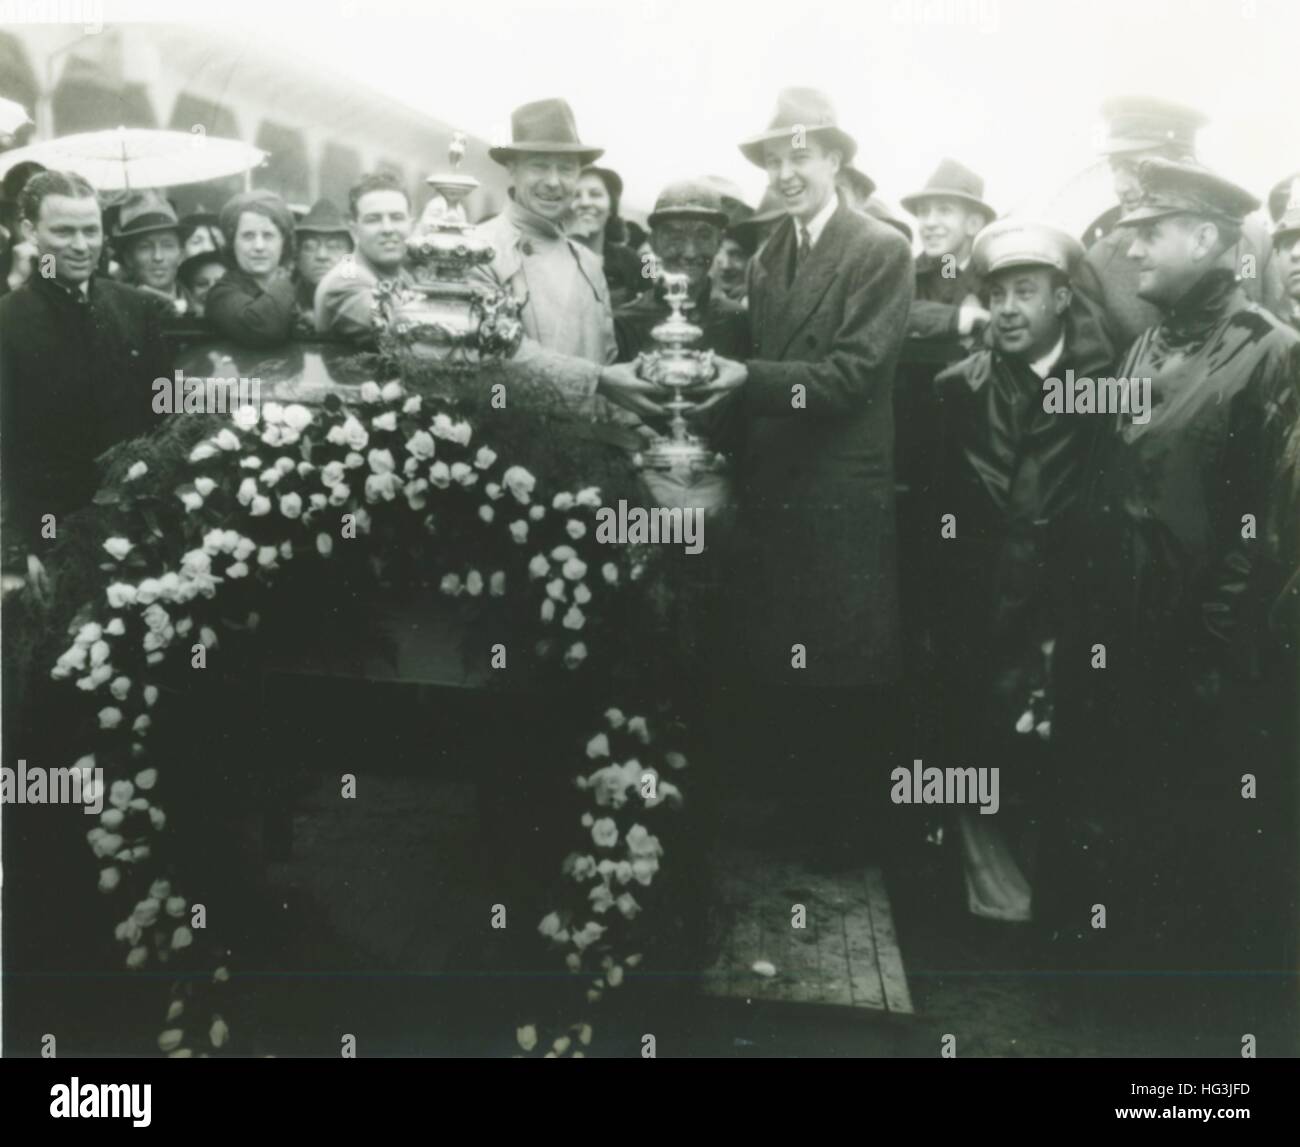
380 223
78 357
1141 128
1011 474
1284 205
817 627
1181 563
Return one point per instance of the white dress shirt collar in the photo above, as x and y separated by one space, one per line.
817 224
1042 365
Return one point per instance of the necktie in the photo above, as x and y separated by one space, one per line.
801 251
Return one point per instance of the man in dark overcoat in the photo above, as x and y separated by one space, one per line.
1182 560
815 577
79 354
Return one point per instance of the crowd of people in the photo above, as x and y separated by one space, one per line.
927 558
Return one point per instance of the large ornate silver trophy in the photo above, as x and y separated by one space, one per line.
445 320
676 363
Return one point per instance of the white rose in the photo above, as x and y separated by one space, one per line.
112 818
519 532
247 491
497 584
474 583
450 584
267 555
118 547
120 594
485 457
238 570
120 687
574 619
609 571
493 490
226 439
605 832
392 391
548 611
575 569
208 637
331 474
562 501
250 462
381 461
575 529
575 655
340 493
147 591
370 392
537 513
261 506
291 505
269 477
353 460
297 417
115 628
539 566
109 878
110 717
581 594
192 500
519 482
136 958
440 475
324 545
136 470
286 551
245 417
354 434
598 746
412 405
385 421
589 497
99 653
202 452
421 445
486 512
146 779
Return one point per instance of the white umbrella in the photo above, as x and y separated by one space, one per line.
12 117
140 157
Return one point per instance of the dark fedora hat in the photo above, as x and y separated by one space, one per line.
951 180
548 127
689 199
143 213
804 109
1284 206
323 219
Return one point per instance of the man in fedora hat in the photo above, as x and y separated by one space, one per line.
1139 128
817 637
323 239
1010 472
944 320
148 245
1180 564
1284 206
568 322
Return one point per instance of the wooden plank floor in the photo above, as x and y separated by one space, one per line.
846 954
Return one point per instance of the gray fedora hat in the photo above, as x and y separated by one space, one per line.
547 127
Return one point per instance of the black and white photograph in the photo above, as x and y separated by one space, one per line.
633 529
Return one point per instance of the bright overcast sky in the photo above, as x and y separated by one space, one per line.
1010 87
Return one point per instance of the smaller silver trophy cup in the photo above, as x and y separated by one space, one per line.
676 363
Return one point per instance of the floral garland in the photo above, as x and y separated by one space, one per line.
288 484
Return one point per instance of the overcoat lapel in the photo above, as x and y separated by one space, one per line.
791 307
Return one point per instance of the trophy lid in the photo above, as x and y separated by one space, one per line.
454 185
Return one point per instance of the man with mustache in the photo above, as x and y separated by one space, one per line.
79 354
1010 473
1181 561
814 584
1141 128
380 224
